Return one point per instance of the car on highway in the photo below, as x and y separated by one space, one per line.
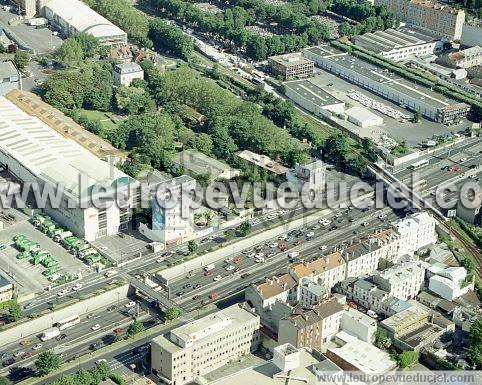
273 245
159 260
297 243
8 362
310 234
196 297
382 216
63 292
282 237
245 275
4 355
60 337
197 286
323 247
100 361
37 347
187 286
228 260
29 306
217 277
19 353
365 223
25 341
77 286
95 327
237 260
213 296
94 346
208 273
111 307
259 260
130 304
180 293
229 267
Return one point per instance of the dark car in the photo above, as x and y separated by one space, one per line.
179 293
60 337
8 362
94 346
197 286
244 275
111 307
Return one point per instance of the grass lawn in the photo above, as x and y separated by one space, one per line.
102 117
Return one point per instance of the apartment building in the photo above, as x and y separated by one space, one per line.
203 345
362 258
311 293
415 232
6 289
450 282
360 325
433 17
465 58
311 327
291 66
263 295
326 270
172 210
125 73
403 281
363 292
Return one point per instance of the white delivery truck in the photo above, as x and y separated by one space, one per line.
209 267
49 334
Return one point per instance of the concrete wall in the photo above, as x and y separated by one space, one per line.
37 325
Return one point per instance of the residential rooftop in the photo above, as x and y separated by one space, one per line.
274 286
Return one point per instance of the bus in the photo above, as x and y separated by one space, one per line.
68 322
419 164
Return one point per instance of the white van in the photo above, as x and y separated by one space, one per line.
293 254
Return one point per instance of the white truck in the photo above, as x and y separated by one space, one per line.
37 21
65 234
209 267
49 334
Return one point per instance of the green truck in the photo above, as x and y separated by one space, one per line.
49 261
50 271
37 219
93 258
23 255
70 242
48 225
53 232
39 257
26 245
19 237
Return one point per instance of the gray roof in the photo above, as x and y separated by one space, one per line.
4 281
127 68
308 89
288 60
383 76
7 70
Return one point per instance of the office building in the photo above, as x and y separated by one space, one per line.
403 281
204 345
97 198
435 18
172 210
291 66
10 78
390 86
465 58
398 45
6 289
312 96
125 73
309 179
72 16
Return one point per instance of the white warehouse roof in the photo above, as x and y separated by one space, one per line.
83 18
50 156
363 117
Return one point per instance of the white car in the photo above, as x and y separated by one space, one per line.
37 347
95 327
130 304
316 227
323 247
103 248
228 260
63 292
273 245
19 353
338 215
365 223
382 216
78 286
311 234
159 260
259 260
259 255
251 255
217 278
100 361
282 237
229 268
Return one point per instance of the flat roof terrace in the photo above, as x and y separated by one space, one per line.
310 90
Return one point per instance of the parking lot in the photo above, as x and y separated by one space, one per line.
41 41
122 247
27 277
412 133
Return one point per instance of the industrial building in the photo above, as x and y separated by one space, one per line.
72 16
10 78
399 44
96 198
390 86
125 73
291 66
204 345
436 18
313 97
308 178
363 117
